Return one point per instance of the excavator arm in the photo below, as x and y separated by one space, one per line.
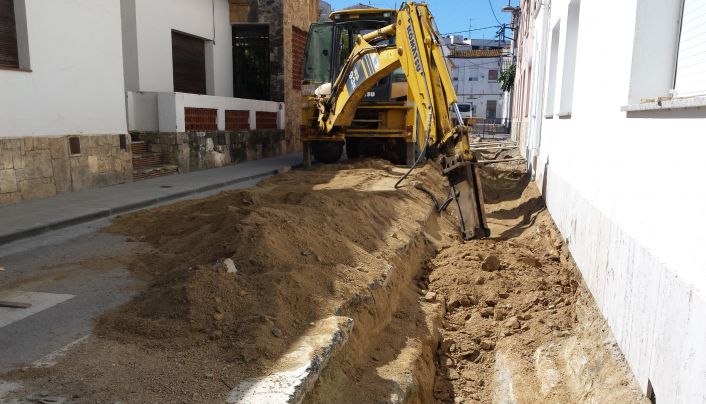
414 44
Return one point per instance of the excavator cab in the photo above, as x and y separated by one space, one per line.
384 121
323 61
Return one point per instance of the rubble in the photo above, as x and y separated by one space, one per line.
491 263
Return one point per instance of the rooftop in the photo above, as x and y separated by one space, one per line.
475 53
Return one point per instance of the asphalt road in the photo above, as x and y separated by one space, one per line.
70 276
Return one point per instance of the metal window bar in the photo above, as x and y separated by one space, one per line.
251 61
492 128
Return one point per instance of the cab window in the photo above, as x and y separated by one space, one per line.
317 62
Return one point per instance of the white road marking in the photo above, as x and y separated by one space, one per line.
54 357
39 301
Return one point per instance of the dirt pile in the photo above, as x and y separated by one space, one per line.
302 243
297 243
519 324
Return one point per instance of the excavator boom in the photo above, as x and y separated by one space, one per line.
416 48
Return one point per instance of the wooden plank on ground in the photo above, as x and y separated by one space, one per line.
15 305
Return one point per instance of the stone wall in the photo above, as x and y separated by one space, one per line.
192 151
281 16
39 167
300 14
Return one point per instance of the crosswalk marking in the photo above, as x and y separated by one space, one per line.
54 357
39 302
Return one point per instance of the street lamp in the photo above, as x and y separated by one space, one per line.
510 9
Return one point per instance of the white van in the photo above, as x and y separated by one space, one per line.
467 111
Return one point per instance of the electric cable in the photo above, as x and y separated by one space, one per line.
469 30
490 3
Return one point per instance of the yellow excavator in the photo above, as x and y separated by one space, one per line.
359 60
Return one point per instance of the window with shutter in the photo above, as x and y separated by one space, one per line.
690 78
8 35
492 75
189 63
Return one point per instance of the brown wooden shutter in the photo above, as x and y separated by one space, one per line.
8 35
189 62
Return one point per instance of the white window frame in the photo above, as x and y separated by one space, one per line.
676 91
657 32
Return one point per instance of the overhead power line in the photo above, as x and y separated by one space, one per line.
490 3
469 30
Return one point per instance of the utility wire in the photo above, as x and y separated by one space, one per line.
492 10
469 30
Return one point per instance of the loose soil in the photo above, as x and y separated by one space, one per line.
304 244
505 319
520 326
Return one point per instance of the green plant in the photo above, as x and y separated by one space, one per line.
507 78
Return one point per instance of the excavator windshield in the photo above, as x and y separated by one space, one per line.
317 57
345 35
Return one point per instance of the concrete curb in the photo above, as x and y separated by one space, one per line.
64 222
301 366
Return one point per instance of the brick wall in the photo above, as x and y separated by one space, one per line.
298 16
237 120
265 120
201 119
299 37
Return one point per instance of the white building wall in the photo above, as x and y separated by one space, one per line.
164 112
478 92
151 23
626 190
76 81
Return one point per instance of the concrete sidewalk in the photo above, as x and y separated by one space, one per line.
34 217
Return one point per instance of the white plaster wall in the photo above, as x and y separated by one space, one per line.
76 83
151 112
627 192
153 25
482 90
142 111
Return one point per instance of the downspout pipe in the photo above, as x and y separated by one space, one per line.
545 8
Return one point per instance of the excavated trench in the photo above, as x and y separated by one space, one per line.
329 286
391 353
501 320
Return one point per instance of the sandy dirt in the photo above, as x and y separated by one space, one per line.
520 326
303 243
504 319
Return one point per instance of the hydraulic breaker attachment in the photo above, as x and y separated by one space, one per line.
467 194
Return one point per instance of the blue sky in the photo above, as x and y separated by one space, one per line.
452 15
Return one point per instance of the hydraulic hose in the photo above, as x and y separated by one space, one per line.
422 154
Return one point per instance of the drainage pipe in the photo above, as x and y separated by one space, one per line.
538 104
